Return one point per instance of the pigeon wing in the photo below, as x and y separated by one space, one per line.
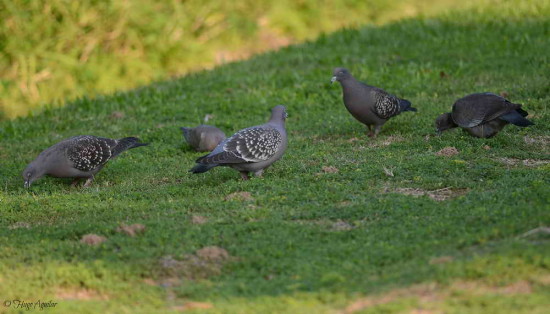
385 104
249 145
89 152
477 109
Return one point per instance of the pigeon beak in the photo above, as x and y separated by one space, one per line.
27 184
332 79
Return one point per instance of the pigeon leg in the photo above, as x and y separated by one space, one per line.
377 130
244 175
259 173
88 182
371 133
75 182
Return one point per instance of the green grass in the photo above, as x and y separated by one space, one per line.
52 51
286 257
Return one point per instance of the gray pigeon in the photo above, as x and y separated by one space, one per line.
250 150
482 115
370 105
203 138
77 157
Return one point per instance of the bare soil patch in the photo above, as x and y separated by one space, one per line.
188 306
524 162
437 195
239 196
543 140
431 294
330 169
448 152
92 239
131 230
79 294
386 141
198 220
206 262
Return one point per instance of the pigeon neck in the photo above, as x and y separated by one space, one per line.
348 81
275 121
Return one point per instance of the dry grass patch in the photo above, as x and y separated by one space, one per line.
131 230
524 162
341 225
448 152
239 196
386 141
543 140
198 220
330 169
206 262
431 295
19 225
92 239
79 294
437 195
189 306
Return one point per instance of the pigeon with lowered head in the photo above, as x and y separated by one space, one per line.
79 157
370 105
250 150
203 138
482 115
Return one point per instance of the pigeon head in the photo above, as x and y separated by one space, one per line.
31 174
278 114
340 74
444 122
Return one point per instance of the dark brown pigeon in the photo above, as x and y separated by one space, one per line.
370 105
203 138
482 115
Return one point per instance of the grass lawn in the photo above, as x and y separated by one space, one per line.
307 238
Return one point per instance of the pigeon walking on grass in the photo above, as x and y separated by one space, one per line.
482 115
370 105
250 150
203 138
79 157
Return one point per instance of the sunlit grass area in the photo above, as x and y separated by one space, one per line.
327 229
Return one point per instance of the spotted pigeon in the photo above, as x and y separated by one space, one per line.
482 115
203 138
250 150
370 105
77 157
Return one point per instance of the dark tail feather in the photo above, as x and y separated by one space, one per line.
405 105
127 143
200 168
522 112
516 118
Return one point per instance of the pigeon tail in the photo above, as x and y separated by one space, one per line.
405 105
127 143
201 168
516 118
522 112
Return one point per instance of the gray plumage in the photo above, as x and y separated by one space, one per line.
203 138
482 115
370 105
250 150
77 157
